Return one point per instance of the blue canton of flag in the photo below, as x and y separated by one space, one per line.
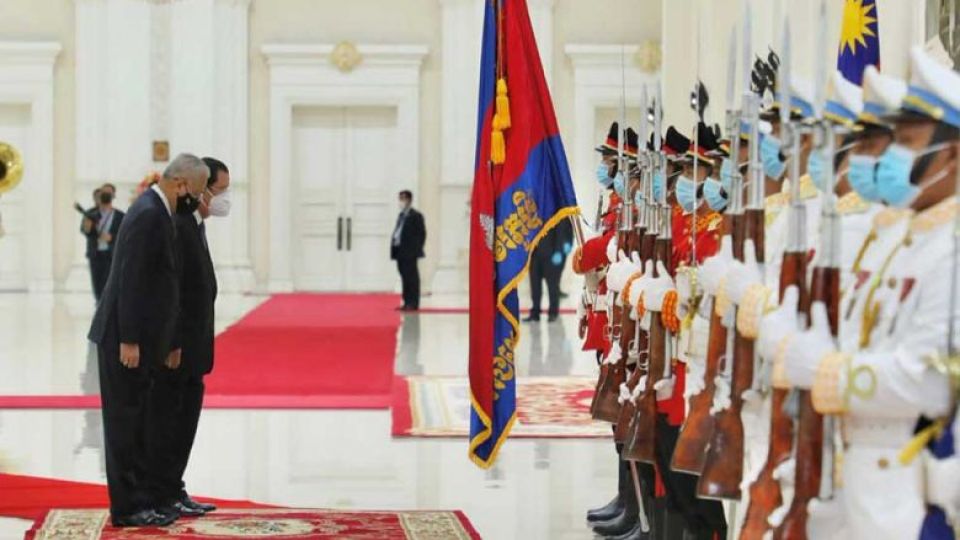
859 39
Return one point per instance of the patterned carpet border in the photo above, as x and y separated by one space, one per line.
548 408
287 523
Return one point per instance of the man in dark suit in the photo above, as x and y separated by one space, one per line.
406 248
100 225
177 395
134 329
547 264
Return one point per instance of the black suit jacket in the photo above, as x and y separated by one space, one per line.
412 238
93 236
141 301
198 292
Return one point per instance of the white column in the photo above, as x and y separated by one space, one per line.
462 29
208 116
113 114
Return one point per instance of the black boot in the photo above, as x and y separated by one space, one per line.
636 533
627 519
615 507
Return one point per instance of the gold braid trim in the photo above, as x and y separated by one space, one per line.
626 288
826 393
721 301
669 312
752 307
779 372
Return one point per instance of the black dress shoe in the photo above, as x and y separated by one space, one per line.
618 526
186 511
553 318
143 518
168 510
634 534
606 512
188 502
532 318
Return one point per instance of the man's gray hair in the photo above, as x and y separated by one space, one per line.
187 166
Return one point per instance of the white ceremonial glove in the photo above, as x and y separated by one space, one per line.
624 393
684 287
640 284
664 388
638 389
781 323
943 482
827 519
696 375
785 472
657 288
808 348
713 270
620 272
612 249
615 353
744 274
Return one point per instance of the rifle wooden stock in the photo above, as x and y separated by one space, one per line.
825 287
691 450
723 467
765 495
641 446
628 410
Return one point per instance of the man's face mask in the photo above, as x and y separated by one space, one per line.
894 170
773 166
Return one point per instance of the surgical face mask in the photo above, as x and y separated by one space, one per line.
219 205
714 195
187 204
686 192
817 169
863 177
726 173
603 175
770 156
618 185
659 181
106 197
638 198
893 175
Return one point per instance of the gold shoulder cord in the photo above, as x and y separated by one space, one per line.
867 242
871 310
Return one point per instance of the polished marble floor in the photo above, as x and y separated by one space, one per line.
333 459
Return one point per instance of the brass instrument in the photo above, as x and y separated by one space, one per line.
11 167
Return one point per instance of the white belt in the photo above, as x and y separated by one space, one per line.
879 432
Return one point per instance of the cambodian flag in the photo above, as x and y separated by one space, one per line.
522 188
859 39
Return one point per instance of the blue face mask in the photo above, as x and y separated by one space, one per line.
638 198
686 193
658 182
603 175
817 169
770 156
618 185
726 173
893 175
863 177
715 198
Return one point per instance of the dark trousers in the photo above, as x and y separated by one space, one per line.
175 401
123 393
542 269
702 518
410 276
100 271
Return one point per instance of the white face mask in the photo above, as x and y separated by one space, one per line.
220 204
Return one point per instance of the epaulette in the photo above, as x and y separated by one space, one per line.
773 205
889 216
935 216
808 189
852 203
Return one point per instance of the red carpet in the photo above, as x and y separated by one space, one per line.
294 351
31 497
288 523
465 311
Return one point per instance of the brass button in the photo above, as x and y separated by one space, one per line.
892 283
883 463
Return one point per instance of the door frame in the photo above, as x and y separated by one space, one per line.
305 75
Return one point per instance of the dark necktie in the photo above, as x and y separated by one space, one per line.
203 236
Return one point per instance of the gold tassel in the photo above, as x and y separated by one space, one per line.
498 148
503 104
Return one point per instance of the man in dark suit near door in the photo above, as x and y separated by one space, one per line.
134 329
177 395
406 247
100 225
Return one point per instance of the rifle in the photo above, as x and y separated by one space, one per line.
606 406
640 444
824 287
723 464
690 452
